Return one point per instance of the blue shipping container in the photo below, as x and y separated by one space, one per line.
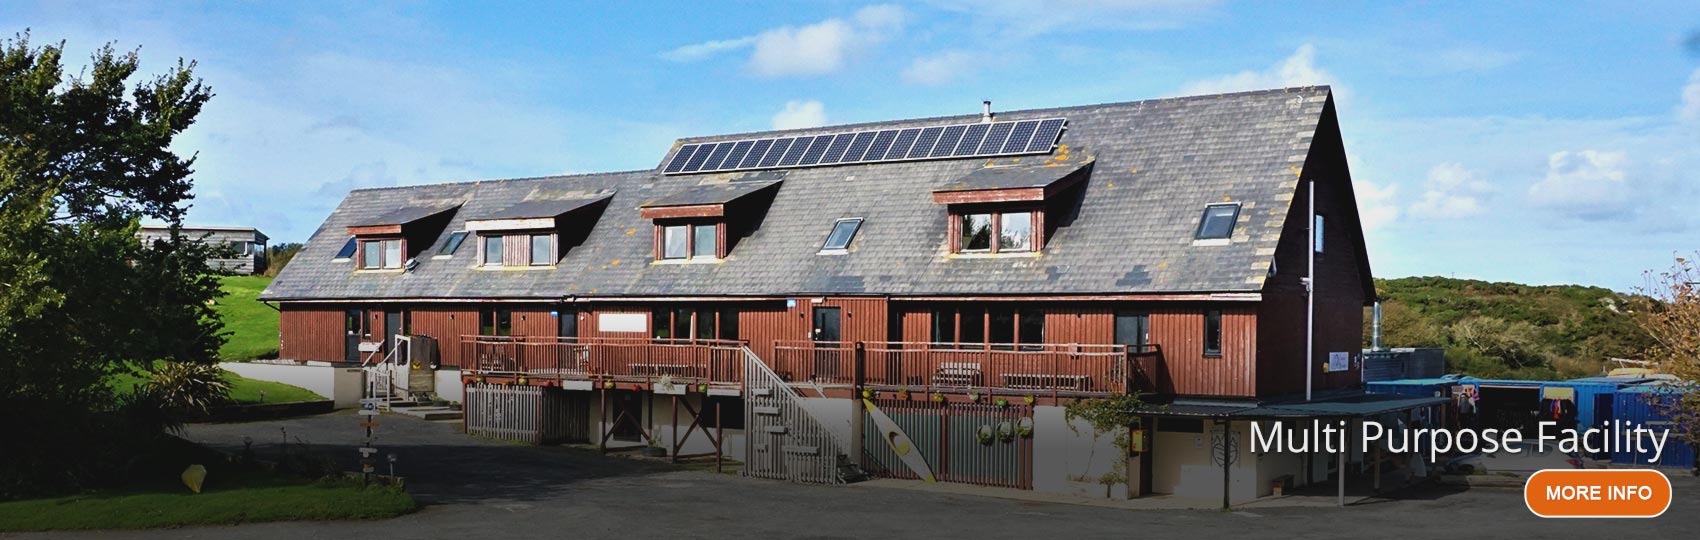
1647 406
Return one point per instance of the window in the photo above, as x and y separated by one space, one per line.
1005 232
380 254
347 251
541 248
661 323
496 322
1318 231
1213 332
1032 330
998 325
675 242
705 240
492 250
698 241
453 245
1218 222
976 232
686 323
843 231
944 325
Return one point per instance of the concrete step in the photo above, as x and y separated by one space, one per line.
429 413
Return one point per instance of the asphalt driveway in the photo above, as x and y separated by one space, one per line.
470 489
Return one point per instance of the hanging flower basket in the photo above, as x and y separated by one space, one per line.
938 398
985 434
523 380
1003 403
1029 399
1006 431
1024 428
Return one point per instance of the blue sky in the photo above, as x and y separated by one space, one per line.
1535 142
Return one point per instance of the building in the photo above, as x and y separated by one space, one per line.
977 272
243 249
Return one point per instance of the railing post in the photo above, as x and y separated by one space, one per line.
858 408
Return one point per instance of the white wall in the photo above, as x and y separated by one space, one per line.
662 418
1072 460
1182 465
449 385
834 413
343 385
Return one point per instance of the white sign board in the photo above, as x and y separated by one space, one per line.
622 322
1339 361
670 388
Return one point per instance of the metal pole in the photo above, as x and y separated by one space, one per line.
1310 293
1345 453
719 439
1225 464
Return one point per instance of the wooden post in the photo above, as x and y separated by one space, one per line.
602 424
1225 463
719 439
674 455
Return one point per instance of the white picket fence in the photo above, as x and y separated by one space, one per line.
528 414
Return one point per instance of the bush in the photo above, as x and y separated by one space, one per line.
186 386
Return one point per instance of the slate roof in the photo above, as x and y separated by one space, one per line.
540 209
405 215
1156 164
1015 176
715 193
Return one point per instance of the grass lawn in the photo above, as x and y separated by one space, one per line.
242 389
231 498
252 325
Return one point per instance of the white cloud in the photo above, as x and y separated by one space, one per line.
799 114
823 47
1375 208
1028 18
1299 69
1450 192
699 51
1588 184
938 69
1690 110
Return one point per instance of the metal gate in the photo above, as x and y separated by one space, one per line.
783 441
968 443
530 414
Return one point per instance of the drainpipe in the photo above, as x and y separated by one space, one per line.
1375 329
1310 292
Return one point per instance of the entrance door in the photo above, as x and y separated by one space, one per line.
354 325
393 328
826 334
566 321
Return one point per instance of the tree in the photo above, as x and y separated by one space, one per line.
82 160
1670 313
278 256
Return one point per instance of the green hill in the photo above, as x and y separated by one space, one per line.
251 324
1509 330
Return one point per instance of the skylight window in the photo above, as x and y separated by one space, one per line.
1218 222
453 244
843 231
347 250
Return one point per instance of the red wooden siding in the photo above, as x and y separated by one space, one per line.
446 323
311 333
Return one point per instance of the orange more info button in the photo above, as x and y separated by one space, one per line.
1597 493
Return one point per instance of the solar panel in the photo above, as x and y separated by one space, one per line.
680 157
924 144
1019 136
796 152
900 147
1046 137
778 151
737 155
835 152
696 159
995 138
971 140
947 141
756 152
859 146
882 143
816 150
989 139
719 154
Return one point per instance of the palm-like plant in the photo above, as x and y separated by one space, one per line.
188 385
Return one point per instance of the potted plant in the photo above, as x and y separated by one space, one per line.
654 449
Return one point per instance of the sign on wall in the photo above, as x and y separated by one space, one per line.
622 322
1339 361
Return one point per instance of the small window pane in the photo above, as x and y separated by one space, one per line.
674 243
347 249
1016 233
681 323
1213 332
453 244
705 324
492 251
706 241
976 232
1319 233
1032 326
660 323
944 325
392 254
371 255
487 322
504 322
728 324
540 250
973 327
1218 221
842 232
1003 326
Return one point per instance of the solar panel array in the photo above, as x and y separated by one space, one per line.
911 144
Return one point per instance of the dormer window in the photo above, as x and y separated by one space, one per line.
1218 222
534 233
380 254
492 250
996 232
690 241
701 223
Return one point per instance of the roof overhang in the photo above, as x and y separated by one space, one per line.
533 214
1014 183
704 200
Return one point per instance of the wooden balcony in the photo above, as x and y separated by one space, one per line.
1048 370
543 359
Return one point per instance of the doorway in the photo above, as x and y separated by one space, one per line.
566 322
393 326
354 327
827 336
1133 329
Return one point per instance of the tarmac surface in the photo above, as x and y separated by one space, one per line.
473 489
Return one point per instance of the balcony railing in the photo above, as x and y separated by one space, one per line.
619 359
1046 369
